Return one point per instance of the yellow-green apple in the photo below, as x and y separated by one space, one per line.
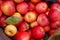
22 36
22 7
35 1
41 7
30 17
38 32
8 8
42 20
33 24
10 30
23 26
54 15
18 1
31 6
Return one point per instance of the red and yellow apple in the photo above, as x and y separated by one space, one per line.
10 30
18 1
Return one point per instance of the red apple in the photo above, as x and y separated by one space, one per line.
8 8
33 24
55 25
46 28
55 6
54 15
1 2
2 21
22 36
30 17
35 1
51 32
41 7
23 26
0 13
31 6
10 30
38 32
18 1
42 20
22 8
58 1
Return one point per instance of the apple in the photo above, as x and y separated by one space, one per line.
8 8
31 6
30 17
18 1
55 25
22 36
17 14
55 6
22 8
42 20
2 21
46 28
41 7
38 32
1 2
33 24
0 13
54 15
23 26
35 1
51 32
10 30
58 1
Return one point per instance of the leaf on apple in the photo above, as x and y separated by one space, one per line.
12 20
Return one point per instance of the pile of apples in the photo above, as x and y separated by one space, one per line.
29 19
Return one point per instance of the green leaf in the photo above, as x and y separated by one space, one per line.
12 20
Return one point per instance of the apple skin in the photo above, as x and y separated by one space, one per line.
2 21
55 6
42 20
22 36
23 26
58 1
0 13
31 6
41 7
30 17
51 32
33 24
8 8
18 1
35 1
38 32
54 15
10 30
55 25
22 8
46 28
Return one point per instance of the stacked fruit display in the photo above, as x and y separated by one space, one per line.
29 19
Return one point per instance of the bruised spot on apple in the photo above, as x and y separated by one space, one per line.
22 36
10 30
8 8
30 17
